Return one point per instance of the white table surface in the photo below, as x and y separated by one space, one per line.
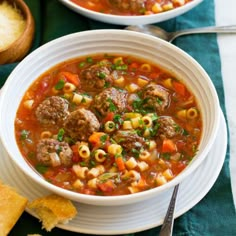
225 15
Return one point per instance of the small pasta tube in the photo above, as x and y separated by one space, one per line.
127 125
160 180
131 163
78 184
192 113
28 104
69 87
45 134
144 155
120 81
146 67
84 151
100 155
132 87
151 145
92 183
147 121
168 83
142 165
109 126
142 82
136 122
114 149
81 172
156 8
168 6
77 98
135 175
146 133
168 174
94 172
86 100
133 189
182 114
118 60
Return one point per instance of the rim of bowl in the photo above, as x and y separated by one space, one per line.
108 200
125 20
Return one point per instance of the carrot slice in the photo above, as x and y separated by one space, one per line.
179 88
120 163
95 138
168 146
70 77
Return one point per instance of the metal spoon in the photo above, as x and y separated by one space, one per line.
170 36
167 227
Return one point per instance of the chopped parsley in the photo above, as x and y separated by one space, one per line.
60 84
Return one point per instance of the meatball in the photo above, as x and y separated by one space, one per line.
80 124
129 5
156 96
167 127
51 152
110 100
129 140
95 77
52 110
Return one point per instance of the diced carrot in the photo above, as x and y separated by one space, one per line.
108 186
179 88
168 146
95 138
133 66
70 77
120 163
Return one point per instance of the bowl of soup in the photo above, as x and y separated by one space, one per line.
124 12
108 117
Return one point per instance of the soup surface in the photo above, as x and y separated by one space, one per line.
108 125
131 7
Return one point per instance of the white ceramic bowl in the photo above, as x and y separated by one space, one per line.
108 41
131 20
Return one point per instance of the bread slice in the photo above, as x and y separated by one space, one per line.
53 210
12 205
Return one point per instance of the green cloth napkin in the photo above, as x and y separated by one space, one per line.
215 214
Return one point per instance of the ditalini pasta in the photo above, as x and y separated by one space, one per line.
108 125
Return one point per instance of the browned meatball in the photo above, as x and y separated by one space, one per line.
156 96
129 5
80 124
52 110
51 152
129 140
110 100
95 77
168 128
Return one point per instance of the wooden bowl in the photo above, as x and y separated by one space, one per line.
19 48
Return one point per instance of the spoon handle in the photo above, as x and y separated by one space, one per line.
211 29
167 227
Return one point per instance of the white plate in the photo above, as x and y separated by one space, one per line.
131 20
130 218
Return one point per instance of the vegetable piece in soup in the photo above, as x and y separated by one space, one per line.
131 7
108 125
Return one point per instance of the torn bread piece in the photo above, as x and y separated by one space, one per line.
12 205
53 210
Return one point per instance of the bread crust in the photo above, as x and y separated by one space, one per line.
12 205
53 210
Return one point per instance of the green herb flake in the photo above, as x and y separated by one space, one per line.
24 134
89 59
82 64
60 135
112 106
41 168
103 138
60 84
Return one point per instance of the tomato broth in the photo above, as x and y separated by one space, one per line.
108 125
